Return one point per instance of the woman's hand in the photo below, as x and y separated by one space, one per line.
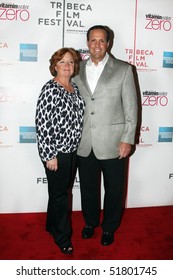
52 164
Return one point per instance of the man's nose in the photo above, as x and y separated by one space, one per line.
97 43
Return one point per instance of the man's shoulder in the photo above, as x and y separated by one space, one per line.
83 62
118 62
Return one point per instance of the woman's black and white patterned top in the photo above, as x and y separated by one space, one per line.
59 118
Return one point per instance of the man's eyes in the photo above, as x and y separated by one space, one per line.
101 41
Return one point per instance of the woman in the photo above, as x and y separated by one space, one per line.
59 117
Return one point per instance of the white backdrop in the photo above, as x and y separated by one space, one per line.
30 31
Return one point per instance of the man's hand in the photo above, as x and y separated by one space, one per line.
124 150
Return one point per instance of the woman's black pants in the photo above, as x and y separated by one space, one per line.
59 190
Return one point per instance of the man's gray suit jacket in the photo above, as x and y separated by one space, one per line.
111 110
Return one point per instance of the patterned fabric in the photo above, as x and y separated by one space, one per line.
59 118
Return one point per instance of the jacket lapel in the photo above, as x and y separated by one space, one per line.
104 75
83 77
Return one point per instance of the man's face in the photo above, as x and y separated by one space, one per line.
97 44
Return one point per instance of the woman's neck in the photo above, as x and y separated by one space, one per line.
65 82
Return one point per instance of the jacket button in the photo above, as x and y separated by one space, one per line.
92 113
92 98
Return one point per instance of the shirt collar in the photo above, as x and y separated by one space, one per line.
102 62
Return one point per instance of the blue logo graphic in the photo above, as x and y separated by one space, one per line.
165 134
27 134
168 59
28 52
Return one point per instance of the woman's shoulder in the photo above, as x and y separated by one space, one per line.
48 89
49 84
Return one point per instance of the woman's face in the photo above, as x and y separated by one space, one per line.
65 67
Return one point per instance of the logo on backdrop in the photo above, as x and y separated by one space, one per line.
168 60
144 135
139 58
28 52
17 94
43 180
76 184
58 15
158 22
73 16
84 53
14 12
3 131
165 134
170 175
27 134
5 57
5 140
5 95
3 45
154 98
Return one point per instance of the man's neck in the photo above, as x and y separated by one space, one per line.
96 61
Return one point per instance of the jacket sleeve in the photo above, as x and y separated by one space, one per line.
129 100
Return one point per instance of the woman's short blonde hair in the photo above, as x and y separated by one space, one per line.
59 54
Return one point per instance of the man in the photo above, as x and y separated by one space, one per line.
110 119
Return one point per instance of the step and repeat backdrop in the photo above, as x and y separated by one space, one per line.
30 32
